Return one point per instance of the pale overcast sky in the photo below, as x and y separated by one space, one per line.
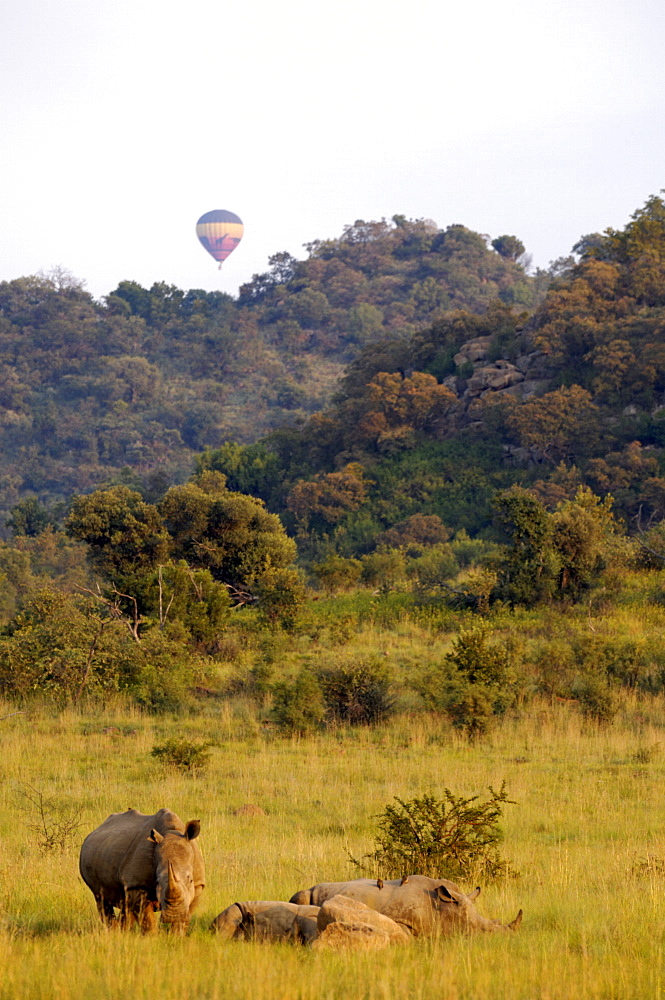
123 121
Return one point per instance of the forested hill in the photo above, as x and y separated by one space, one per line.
455 375
131 388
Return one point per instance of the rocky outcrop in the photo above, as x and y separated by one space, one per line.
494 377
528 374
473 351
348 923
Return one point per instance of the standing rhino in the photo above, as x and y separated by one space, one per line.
420 904
140 864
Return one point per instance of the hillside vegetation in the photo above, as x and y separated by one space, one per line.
482 463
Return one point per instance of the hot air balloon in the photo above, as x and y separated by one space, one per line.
220 233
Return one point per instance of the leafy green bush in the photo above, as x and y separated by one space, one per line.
432 569
183 754
60 647
597 700
451 837
383 568
474 683
159 673
281 597
337 573
358 692
298 706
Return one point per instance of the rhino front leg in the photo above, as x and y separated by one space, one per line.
139 909
106 911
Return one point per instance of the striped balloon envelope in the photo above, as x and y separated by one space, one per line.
220 233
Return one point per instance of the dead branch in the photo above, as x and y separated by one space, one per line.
241 597
163 614
115 610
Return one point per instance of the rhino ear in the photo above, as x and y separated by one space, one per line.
448 896
475 893
155 837
193 829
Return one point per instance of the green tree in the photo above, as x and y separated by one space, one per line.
528 571
508 246
29 517
124 534
231 534
587 540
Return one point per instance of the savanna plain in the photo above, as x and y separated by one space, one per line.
585 834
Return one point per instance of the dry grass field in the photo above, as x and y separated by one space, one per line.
586 834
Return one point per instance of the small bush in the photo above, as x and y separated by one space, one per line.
597 701
337 573
474 684
470 708
183 754
298 706
647 754
430 571
452 837
358 692
54 823
282 596
383 569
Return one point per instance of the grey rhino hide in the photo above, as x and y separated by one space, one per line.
267 920
422 905
140 863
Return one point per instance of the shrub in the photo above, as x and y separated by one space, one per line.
298 706
61 647
358 692
479 662
54 823
432 569
473 684
183 754
470 708
383 569
452 837
281 597
159 672
597 700
337 573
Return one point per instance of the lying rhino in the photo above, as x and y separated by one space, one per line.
268 920
420 904
140 864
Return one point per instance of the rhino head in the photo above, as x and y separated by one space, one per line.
174 872
459 908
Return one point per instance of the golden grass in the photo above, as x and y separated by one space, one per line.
587 835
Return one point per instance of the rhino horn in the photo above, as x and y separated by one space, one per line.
173 879
514 924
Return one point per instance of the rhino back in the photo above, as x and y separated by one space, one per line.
118 853
411 902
